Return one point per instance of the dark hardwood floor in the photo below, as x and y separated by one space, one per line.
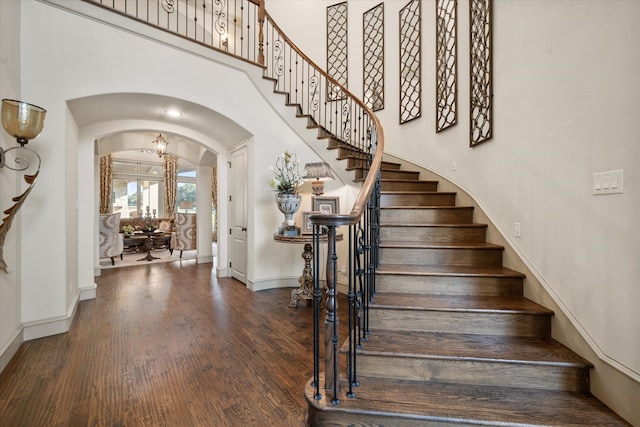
167 345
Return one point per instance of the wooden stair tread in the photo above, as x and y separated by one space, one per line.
424 403
427 207
436 245
436 225
465 303
414 192
532 350
448 270
405 180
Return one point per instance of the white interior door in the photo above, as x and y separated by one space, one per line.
238 214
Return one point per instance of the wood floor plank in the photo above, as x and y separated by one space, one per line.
167 345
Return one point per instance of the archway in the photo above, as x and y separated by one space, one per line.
104 117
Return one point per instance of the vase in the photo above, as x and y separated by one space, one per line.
288 205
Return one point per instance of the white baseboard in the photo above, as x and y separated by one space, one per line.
222 272
88 293
54 325
204 259
273 284
11 348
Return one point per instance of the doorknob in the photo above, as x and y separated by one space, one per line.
244 228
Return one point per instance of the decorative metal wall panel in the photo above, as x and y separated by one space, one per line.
410 74
337 48
373 57
446 64
481 105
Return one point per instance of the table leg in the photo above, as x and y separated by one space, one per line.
305 291
148 245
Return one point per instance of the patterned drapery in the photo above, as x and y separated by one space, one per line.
105 184
170 184
214 200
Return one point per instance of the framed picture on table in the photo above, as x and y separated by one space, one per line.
325 204
307 227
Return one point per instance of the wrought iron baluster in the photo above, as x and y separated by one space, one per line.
317 299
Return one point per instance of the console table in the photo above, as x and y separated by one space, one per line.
305 291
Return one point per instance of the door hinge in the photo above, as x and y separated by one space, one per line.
229 198
229 163
229 264
230 231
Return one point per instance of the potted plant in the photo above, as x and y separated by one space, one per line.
286 181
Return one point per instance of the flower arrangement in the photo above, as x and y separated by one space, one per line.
287 176
149 227
127 230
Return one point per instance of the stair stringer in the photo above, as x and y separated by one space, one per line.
607 377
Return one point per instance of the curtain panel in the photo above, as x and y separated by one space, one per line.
106 173
170 184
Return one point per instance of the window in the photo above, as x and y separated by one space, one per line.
137 189
186 197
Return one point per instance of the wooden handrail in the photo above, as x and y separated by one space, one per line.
371 178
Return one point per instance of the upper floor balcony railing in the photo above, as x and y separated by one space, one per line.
244 29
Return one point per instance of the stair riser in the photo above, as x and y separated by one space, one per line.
409 186
448 285
332 143
433 234
508 324
353 163
440 256
419 199
390 174
349 152
426 216
398 174
490 373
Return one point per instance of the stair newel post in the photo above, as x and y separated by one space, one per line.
317 301
261 16
332 320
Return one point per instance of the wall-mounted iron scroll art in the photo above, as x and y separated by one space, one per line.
481 94
410 75
337 49
24 122
446 64
373 57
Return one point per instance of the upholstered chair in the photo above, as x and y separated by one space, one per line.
110 240
184 237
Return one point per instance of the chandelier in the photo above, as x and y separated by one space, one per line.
161 145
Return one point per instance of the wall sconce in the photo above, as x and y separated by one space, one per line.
23 121
317 173
161 145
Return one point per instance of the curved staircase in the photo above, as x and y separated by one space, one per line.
452 339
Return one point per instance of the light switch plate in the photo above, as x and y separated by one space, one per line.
610 182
